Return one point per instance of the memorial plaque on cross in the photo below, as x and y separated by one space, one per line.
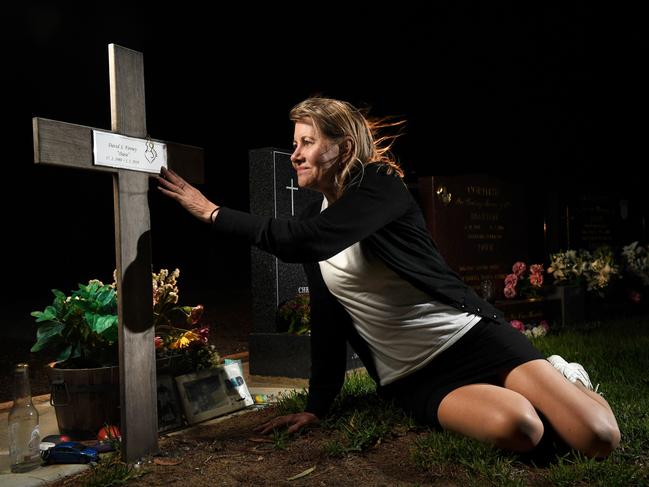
274 192
65 144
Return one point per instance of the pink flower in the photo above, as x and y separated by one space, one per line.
544 324
511 280
536 280
536 268
528 285
158 342
510 292
518 268
517 325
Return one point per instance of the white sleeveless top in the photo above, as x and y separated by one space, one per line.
403 326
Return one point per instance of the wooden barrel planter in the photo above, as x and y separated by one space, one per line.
84 399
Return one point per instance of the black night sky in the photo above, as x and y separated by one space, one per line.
553 99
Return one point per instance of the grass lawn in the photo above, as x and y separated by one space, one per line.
365 441
616 355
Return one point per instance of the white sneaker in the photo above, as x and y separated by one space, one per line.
571 371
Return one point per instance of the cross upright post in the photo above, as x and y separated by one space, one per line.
65 144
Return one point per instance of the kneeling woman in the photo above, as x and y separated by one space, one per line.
378 282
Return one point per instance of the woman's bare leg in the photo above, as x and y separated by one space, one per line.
581 417
492 414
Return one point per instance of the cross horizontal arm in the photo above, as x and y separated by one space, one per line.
67 144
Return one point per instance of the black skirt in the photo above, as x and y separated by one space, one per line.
482 355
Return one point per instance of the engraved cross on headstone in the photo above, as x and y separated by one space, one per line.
64 144
292 189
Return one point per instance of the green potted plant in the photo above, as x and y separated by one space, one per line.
81 331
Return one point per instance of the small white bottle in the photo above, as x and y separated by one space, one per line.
24 435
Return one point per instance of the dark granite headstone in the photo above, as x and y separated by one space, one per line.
274 193
593 216
594 220
479 225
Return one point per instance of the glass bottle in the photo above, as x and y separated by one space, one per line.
24 435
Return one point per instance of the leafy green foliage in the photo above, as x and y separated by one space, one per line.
81 328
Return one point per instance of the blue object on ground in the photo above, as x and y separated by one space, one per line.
70 452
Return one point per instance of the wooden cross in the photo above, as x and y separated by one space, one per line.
64 144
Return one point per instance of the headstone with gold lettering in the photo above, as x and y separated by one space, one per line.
480 226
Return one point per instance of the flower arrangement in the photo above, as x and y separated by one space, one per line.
81 329
595 269
295 314
636 261
187 349
528 281
568 267
531 330
601 270
165 300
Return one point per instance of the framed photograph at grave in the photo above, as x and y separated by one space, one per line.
204 395
170 411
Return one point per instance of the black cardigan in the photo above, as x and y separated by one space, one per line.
380 212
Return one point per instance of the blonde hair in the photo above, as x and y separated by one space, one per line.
339 121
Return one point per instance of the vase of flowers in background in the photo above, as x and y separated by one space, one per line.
581 275
531 330
524 305
568 270
600 270
524 282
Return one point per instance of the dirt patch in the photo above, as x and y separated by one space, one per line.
230 454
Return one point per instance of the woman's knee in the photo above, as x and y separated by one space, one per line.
603 436
517 430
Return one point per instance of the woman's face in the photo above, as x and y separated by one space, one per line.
314 158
